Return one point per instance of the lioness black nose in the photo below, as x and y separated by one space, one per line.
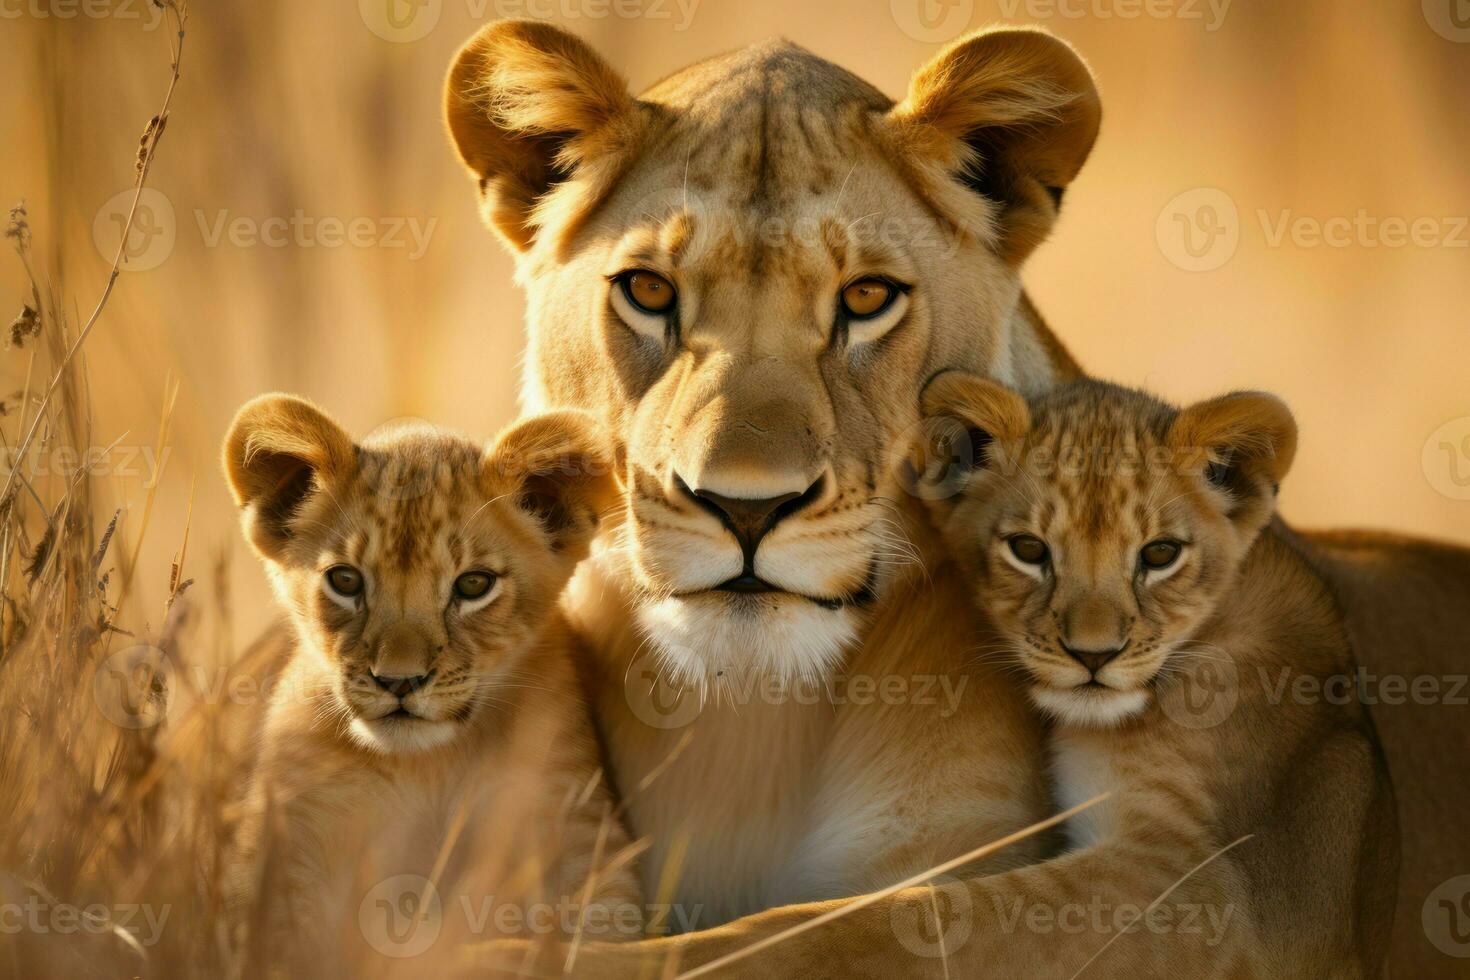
402 687
1093 660
751 519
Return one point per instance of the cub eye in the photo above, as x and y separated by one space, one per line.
473 585
1031 550
1158 555
649 291
867 298
345 580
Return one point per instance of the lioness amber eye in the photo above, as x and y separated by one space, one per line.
649 291
473 585
1031 550
345 580
866 298
1158 555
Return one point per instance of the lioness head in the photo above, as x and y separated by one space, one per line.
418 566
1098 526
750 270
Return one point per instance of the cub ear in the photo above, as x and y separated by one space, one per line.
278 448
561 468
1243 445
529 105
1012 114
970 424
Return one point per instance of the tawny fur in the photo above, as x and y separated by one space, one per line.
1196 716
756 399
706 178
494 786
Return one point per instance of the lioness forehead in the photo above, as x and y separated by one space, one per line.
769 73
765 124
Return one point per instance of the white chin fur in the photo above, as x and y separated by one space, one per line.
1087 707
401 736
703 637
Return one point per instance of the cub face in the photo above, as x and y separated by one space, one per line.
1099 526
417 567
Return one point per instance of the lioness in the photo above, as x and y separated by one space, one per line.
1112 541
750 271
431 701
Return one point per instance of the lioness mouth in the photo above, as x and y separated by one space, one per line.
748 583
399 714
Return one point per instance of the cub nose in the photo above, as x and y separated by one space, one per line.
750 520
402 687
1093 660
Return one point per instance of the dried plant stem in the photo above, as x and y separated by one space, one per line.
179 10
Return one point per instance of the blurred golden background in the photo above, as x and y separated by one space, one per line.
1277 200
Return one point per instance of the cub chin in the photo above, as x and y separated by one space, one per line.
427 747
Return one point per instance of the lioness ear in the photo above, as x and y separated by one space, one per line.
1243 445
528 106
970 424
1012 114
560 466
278 448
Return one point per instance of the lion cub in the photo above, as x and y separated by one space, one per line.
1113 545
428 741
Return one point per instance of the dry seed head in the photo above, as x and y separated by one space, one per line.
27 324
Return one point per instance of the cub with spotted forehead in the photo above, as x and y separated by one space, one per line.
430 722
1112 542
